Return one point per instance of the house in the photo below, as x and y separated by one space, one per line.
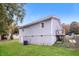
3 37
42 32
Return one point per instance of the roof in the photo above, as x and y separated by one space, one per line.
38 21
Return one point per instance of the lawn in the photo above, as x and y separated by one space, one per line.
14 48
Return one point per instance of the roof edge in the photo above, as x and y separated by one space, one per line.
42 19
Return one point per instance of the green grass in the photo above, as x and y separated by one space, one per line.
14 48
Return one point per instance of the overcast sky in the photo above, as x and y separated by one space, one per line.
66 12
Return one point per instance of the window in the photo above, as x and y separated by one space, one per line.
42 25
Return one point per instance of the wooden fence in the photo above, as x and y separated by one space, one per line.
72 41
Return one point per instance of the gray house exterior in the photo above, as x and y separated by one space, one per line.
41 32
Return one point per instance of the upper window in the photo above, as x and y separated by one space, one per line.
42 25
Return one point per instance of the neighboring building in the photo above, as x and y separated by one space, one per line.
15 36
41 32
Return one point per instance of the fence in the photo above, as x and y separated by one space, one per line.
72 41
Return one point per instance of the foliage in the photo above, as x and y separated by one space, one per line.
10 13
66 27
14 48
74 27
71 28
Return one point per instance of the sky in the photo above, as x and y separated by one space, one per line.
66 12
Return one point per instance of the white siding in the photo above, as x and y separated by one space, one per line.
56 25
33 33
38 30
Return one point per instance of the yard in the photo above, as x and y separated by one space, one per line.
14 48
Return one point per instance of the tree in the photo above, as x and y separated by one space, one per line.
66 27
74 27
10 14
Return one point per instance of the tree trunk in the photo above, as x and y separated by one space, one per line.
0 37
10 36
